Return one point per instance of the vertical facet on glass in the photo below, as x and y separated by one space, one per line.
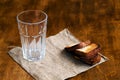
32 26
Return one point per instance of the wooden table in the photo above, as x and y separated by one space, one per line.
96 20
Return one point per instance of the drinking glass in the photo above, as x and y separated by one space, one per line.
32 26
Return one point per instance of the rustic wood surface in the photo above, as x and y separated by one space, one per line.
96 20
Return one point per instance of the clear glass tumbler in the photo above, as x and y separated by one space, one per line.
32 26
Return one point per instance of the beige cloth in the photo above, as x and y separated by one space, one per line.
57 64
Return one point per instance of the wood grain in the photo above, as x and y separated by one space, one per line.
96 20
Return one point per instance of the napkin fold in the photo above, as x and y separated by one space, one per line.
57 63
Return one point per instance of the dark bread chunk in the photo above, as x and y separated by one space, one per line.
86 52
91 61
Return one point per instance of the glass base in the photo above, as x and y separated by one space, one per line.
34 58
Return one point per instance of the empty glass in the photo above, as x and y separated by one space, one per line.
32 26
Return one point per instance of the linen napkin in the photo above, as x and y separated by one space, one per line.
57 63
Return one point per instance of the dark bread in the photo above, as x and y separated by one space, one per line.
87 53
93 51
91 61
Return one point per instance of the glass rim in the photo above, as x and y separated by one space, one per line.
46 16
